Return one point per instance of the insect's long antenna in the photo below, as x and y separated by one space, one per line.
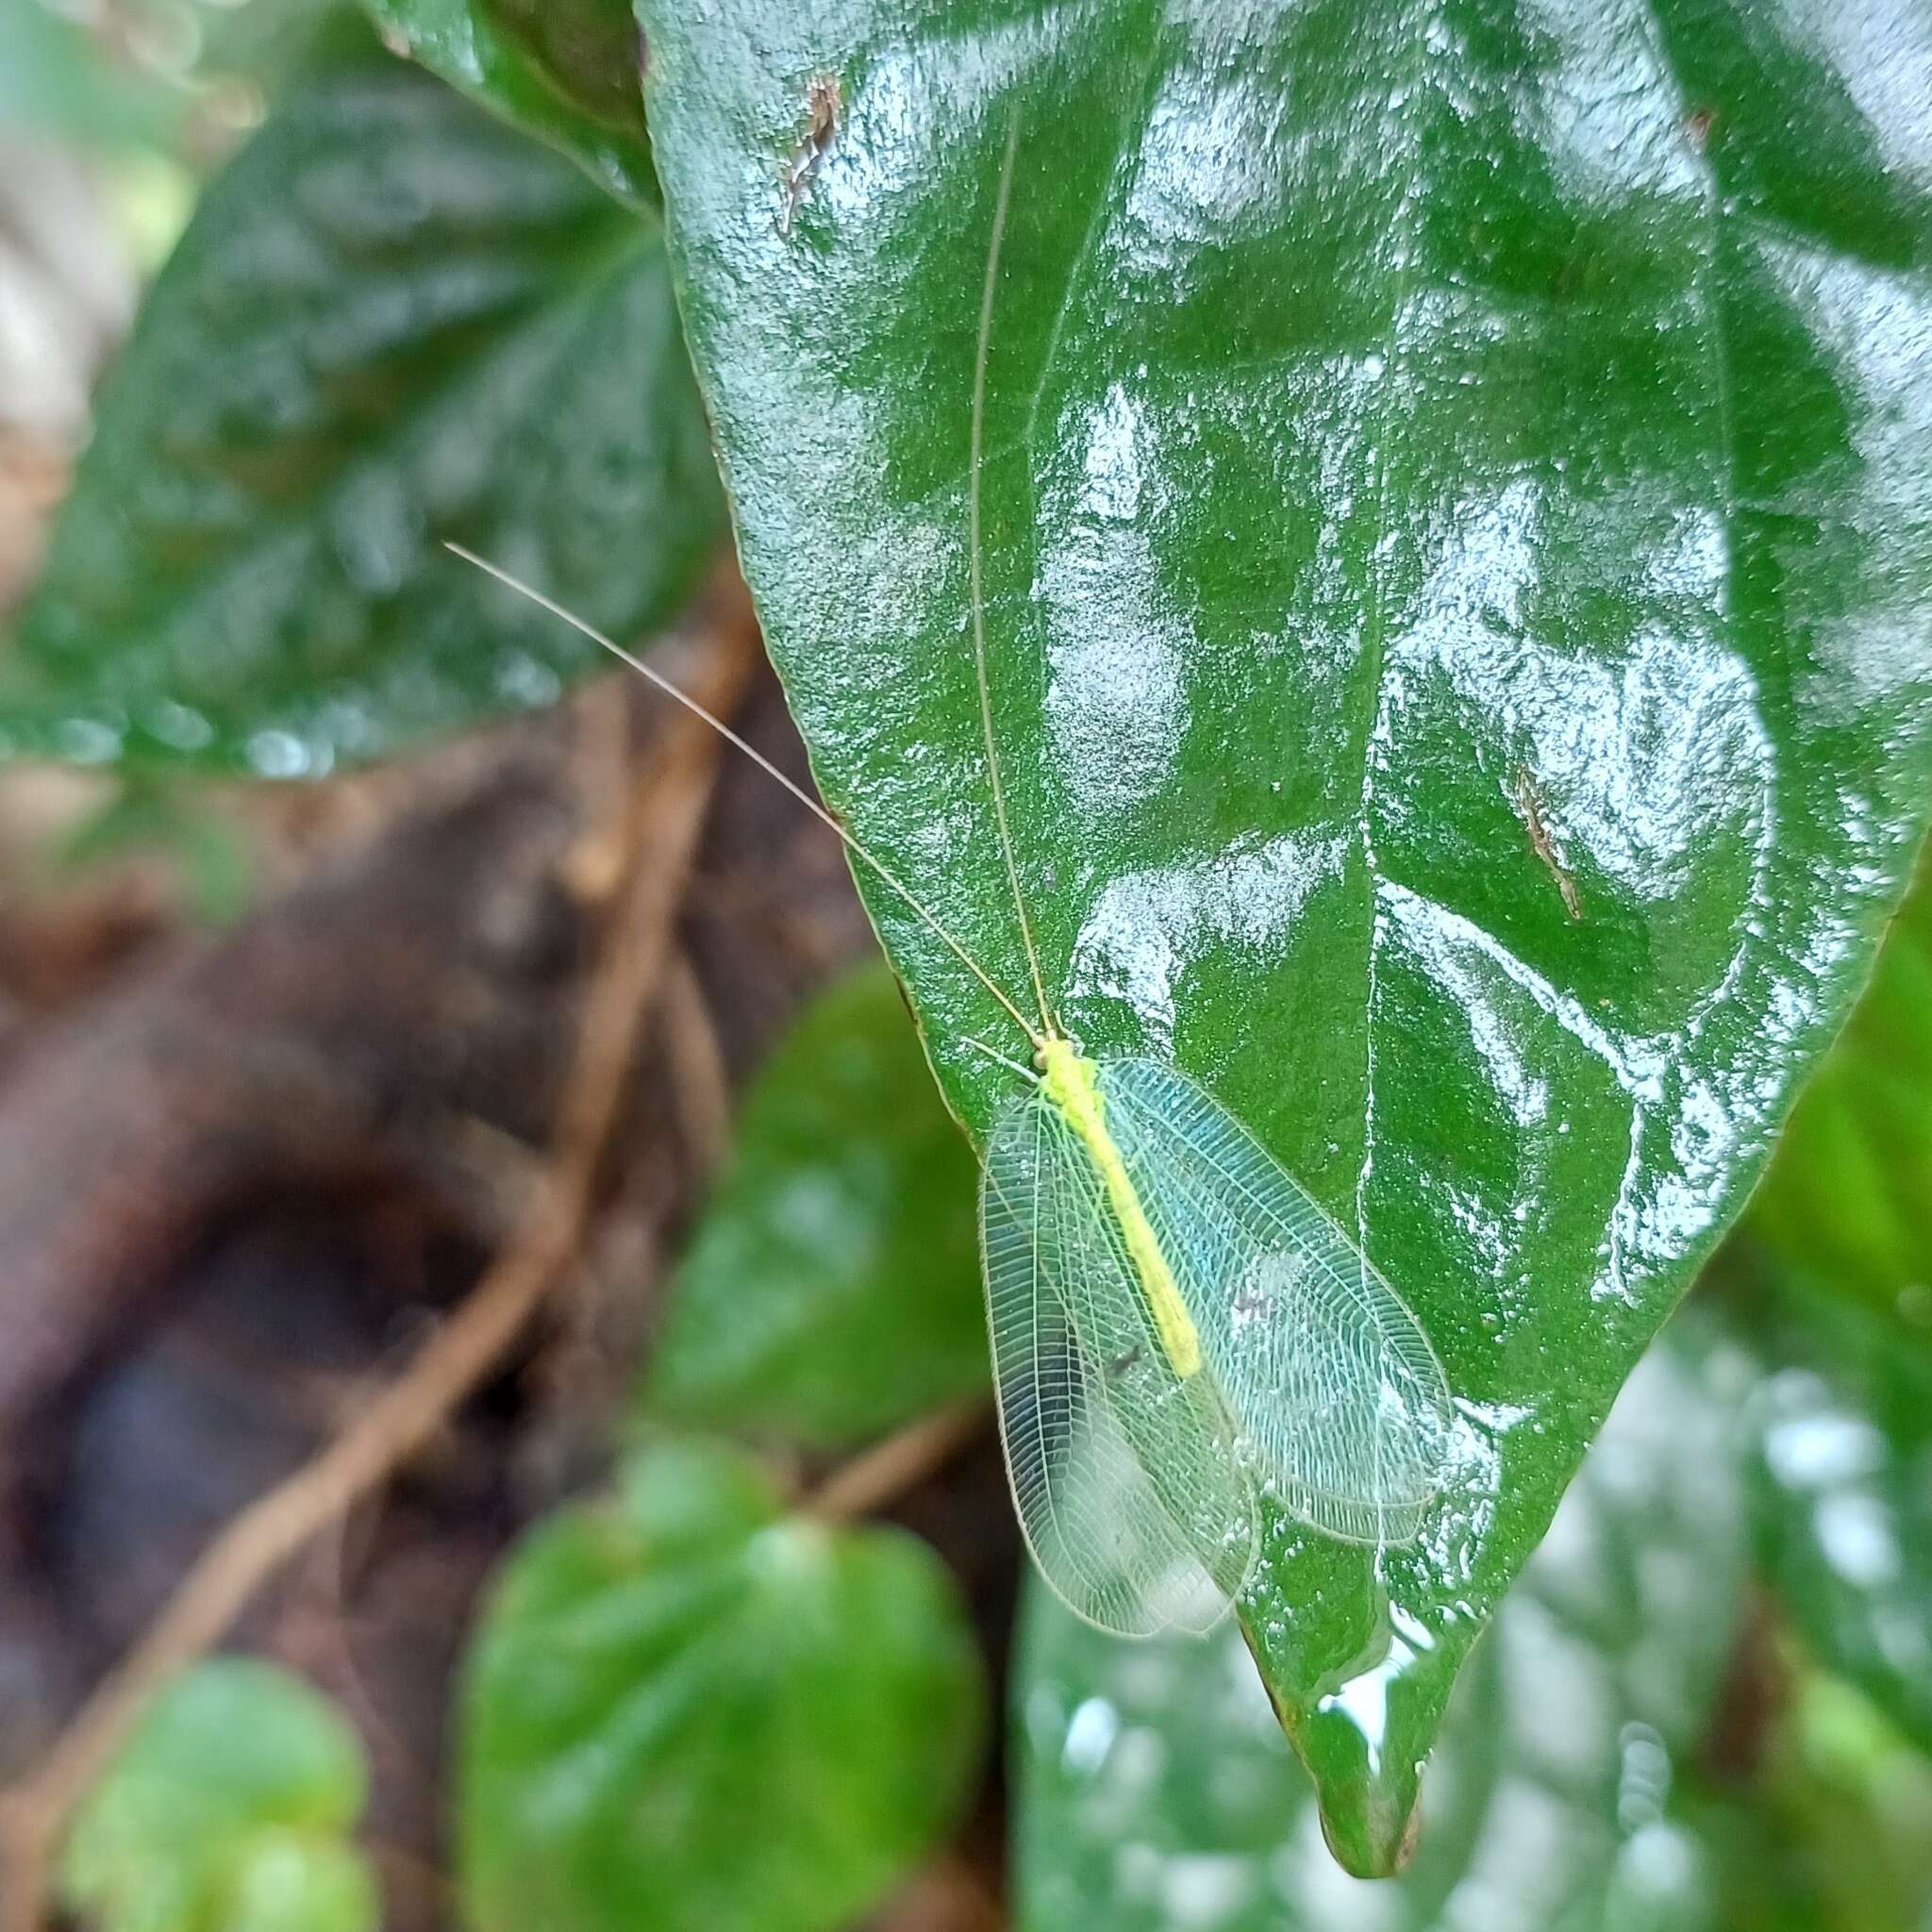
757 757
976 587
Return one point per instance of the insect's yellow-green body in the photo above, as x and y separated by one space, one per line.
1068 1081
1177 1328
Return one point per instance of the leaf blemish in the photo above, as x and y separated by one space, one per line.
1529 801
824 100
1698 126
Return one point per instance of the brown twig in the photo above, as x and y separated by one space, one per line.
1529 802
664 816
880 1475
822 105
700 1086
952 1894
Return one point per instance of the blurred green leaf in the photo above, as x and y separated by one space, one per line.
209 853
229 1810
262 42
569 71
1456 554
684 1708
1846 1196
1833 1832
832 1291
1842 1494
57 79
392 321
1156 1790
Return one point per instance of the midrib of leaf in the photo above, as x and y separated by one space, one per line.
1709 300
1104 203
1392 575
1298 1709
1710 304
1406 241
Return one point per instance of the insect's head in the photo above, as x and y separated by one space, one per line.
1052 1045
1058 1058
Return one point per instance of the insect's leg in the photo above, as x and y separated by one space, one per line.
992 1053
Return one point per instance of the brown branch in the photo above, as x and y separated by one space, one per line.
1529 802
882 1474
700 1085
659 837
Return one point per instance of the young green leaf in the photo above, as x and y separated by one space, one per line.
569 71
1452 539
205 849
229 1810
831 1290
1156 1790
683 1707
392 321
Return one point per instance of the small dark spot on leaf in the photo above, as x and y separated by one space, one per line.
1697 125
824 102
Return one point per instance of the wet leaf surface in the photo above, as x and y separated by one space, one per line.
392 321
229 1810
568 71
1156 1790
1456 559
685 1708
831 1291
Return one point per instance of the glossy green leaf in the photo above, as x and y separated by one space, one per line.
1843 1495
1156 1791
683 1707
569 71
228 1810
1846 1196
1455 557
392 321
831 1290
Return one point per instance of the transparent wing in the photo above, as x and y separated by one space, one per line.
1128 1482
1325 1371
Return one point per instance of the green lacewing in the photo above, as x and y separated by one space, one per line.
1176 1327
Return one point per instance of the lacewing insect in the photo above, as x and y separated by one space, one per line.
1176 1327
